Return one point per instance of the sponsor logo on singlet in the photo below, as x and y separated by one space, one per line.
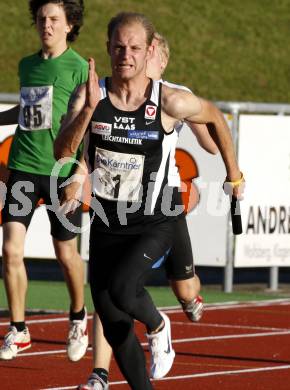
150 112
118 176
124 123
101 128
122 140
143 134
124 165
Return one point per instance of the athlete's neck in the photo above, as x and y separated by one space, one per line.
128 95
53 51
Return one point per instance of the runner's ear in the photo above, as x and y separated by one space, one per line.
150 51
68 28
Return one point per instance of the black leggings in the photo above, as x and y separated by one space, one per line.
119 265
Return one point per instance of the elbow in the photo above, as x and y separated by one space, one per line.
213 148
214 151
210 147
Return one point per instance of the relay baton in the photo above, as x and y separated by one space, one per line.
236 216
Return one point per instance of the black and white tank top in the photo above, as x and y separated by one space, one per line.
128 154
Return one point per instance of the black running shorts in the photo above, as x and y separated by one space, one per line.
24 190
179 264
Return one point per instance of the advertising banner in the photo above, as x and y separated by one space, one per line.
264 156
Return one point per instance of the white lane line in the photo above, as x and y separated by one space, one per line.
210 325
177 309
44 320
200 375
231 336
186 323
235 305
177 341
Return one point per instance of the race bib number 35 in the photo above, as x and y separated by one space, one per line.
35 108
118 176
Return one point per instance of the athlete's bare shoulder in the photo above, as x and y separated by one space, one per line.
179 103
173 85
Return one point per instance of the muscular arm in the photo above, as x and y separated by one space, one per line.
9 117
221 134
203 137
81 108
178 105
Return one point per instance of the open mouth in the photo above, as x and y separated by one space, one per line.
124 66
46 35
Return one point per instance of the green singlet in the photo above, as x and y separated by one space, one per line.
46 86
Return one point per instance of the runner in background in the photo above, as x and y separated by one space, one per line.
47 79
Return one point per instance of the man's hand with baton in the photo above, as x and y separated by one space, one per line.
235 191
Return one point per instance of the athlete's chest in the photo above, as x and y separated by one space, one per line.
140 129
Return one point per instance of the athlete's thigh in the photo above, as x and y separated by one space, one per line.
21 197
105 252
144 253
179 264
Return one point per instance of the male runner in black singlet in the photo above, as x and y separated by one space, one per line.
130 121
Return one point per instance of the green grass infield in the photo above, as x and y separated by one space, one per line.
54 296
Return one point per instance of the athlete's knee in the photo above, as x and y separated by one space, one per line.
121 294
122 300
12 254
66 252
118 332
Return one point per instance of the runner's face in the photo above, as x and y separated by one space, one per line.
52 25
128 51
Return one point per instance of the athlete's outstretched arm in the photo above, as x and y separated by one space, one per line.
180 105
203 137
81 108
9 117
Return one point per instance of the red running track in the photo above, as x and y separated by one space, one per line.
234 347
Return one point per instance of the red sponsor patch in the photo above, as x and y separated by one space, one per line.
150 112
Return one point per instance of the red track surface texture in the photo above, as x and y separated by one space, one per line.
234 347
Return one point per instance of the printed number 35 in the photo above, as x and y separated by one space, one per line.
32 116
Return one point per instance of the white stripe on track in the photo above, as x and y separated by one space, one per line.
234 305
209 325
187 340
231 336
177 309
190 376
44 321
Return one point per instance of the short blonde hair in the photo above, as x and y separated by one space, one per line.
127 18
163 46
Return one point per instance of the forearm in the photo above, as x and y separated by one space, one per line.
72 134
9 117
222 135
203 137
81 168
